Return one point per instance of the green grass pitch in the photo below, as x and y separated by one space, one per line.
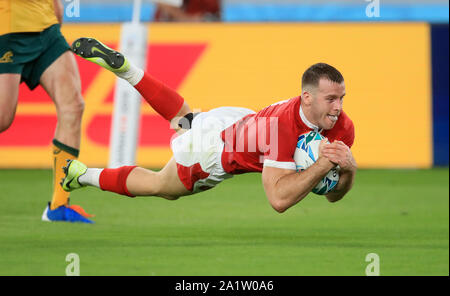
401 215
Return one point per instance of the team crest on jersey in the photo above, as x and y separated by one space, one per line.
7 57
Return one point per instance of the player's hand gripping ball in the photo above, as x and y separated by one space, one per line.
307 153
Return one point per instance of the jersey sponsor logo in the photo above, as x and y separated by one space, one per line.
36 105
171 63
7 57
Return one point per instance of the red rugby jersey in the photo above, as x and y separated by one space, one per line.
269 137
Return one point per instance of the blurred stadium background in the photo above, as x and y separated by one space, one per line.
396 71
395 66
435 11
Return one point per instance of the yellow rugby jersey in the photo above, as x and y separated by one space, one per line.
26 15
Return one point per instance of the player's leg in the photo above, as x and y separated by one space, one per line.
164 100
127 180
164 183
61 81
29 55
167 102
9 85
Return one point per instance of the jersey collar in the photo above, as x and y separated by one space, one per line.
307 122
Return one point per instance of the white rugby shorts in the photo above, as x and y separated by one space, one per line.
198 152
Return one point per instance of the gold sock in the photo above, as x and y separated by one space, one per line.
61 153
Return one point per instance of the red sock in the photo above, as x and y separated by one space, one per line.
115 180
164 100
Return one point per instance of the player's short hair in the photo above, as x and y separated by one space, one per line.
313 74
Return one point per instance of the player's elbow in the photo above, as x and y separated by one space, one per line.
276 201
337 195
281 202
279 208
334 197
280 205
333 200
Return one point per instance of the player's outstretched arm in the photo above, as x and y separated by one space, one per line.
340 154
285 188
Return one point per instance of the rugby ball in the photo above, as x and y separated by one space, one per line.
307 153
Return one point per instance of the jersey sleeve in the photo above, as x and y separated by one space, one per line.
343 131
349 136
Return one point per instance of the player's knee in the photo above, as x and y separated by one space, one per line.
5 122
77 104
73 108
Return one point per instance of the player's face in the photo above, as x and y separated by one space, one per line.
326 103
